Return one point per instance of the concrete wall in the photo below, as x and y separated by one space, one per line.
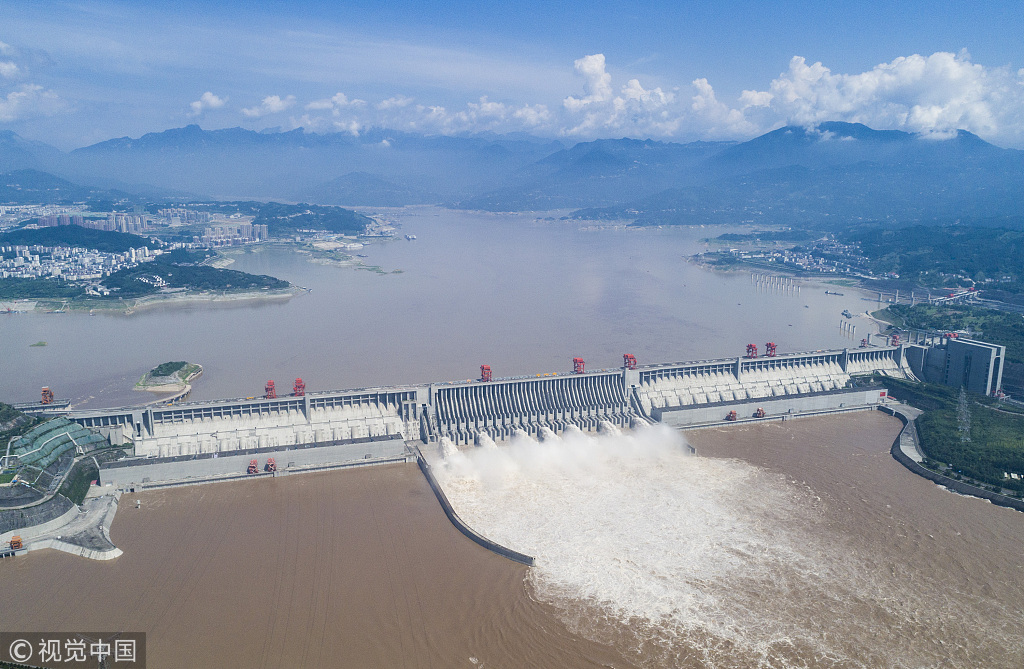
678 417
976 365
152 470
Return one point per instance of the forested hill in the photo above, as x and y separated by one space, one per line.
77 236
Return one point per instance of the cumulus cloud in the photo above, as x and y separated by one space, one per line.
335 104
635 110
272 104
396 102
926 94
206 101
28 100
932 95
8 69
597 82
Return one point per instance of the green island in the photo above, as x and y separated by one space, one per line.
38 344
169 376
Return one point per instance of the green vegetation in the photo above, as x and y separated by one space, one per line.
181 269
167 368
27 289
77 236
997 327
996 444
38 344
13 423
76 483
934 256
767 236
6 478
283 219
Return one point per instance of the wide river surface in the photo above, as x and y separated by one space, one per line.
521 295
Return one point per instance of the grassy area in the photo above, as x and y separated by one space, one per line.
996 432
76 483
6 478
997 327
167 368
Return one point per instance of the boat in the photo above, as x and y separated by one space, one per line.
846 312
410 237
832 292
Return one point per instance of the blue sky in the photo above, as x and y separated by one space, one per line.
73 73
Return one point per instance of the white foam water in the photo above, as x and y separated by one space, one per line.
633 525
689 561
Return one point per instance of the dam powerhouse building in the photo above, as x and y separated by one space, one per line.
303 431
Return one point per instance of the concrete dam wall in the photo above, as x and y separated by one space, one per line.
463 411
500 408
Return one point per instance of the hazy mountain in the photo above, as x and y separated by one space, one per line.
367 190
18 153
834 174
32 186
237 164
598 173
841 173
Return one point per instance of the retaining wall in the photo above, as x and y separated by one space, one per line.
30 530
515 556
952 484
128 474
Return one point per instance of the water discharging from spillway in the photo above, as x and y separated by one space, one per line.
682 560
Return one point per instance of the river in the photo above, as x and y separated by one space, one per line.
517 293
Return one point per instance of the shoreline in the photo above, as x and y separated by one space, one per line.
129 307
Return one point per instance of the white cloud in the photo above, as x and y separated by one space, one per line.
8 69
597 82
206 101
396 102
716 118
29 100
635 110
931 95
272 104
926 94
335 104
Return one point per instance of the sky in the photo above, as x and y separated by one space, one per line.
75 73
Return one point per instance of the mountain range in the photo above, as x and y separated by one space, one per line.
834 174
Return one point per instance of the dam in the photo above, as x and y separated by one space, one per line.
374 424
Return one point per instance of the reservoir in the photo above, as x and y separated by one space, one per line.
520 294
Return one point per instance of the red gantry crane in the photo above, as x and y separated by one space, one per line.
485 373
751 350
270 391
577 365
299 389
629 361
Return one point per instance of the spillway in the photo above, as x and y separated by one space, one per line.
471 411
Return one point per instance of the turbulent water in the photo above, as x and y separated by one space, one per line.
696 561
